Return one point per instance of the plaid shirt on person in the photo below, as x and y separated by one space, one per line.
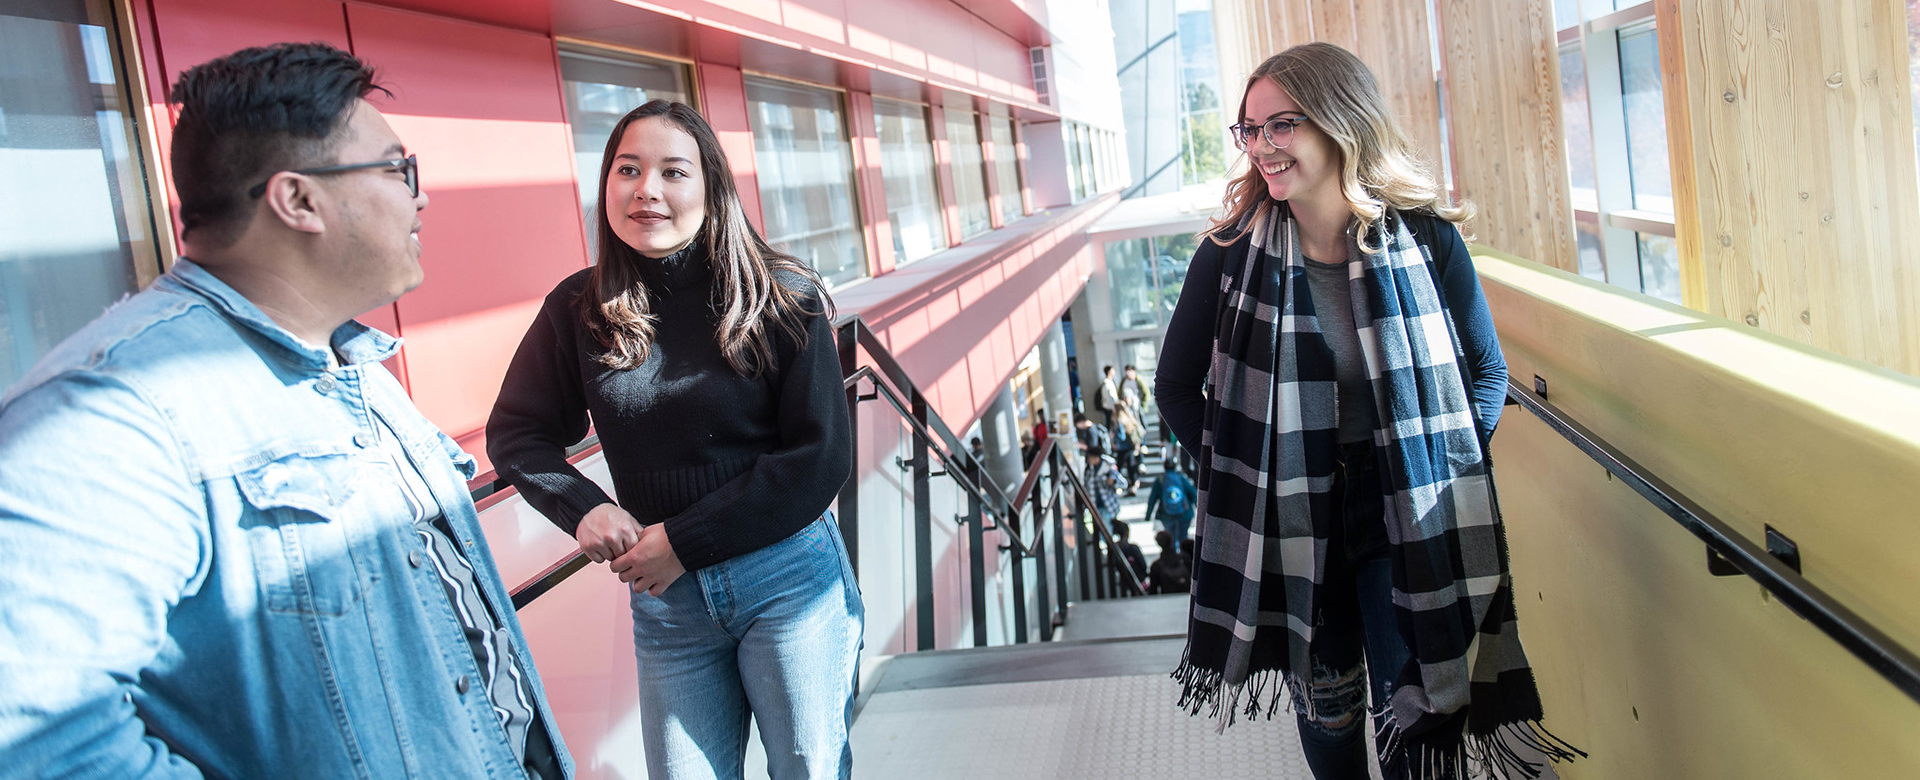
1103 482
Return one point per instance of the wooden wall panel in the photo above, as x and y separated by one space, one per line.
1503 76
1795 191
1391 36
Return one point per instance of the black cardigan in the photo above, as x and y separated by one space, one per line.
1187 351
731 464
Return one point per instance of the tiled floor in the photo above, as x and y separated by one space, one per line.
1099 728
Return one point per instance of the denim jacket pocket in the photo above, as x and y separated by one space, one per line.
296 527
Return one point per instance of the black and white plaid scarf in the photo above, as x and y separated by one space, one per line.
1265 510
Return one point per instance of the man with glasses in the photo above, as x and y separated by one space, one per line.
229 544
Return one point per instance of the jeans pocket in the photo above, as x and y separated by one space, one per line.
295 521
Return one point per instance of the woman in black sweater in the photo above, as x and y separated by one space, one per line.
705 360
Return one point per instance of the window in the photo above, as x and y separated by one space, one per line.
1130 283
969 172
1144 277
600 88
77 230
1203 140
1089 167
1573 90
1615 118
1006 166
1646 116
805 165
1069 136
906 165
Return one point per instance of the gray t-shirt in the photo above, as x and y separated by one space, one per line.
1333 307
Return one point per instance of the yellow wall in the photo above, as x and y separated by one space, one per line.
1657 668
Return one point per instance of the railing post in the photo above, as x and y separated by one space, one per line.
1088 579
850 491
922 528
1040 564
977 561
1103 562
1019 598
1059 542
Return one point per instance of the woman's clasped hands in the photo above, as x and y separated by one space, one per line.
641 555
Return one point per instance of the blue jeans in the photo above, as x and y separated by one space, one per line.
774 635
1357 650
1179 527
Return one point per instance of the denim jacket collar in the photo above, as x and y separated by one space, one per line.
354 342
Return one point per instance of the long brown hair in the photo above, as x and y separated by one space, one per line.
756 285
1379 168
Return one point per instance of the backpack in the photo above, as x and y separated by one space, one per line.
1173 500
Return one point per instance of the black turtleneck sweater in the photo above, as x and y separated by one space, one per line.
730 463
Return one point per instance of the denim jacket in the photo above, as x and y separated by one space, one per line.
205 571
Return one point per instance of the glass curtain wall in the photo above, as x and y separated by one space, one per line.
1006 168
77 228
906 165
969 172
804 159
599 88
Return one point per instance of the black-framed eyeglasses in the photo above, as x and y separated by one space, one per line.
410 165
1278 131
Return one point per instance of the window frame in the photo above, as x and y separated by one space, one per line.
933 161
616 55
1612 211
868 268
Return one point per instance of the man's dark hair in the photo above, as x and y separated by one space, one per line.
1080 417
1106 370
251 114
1128 368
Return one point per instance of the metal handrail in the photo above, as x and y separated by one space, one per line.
1106 533
1893 661
955 468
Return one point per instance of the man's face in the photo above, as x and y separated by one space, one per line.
377 215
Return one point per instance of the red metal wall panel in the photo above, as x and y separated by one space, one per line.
723 101
943 171
180 34
481 107
870 182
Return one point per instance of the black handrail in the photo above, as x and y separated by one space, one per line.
1880 652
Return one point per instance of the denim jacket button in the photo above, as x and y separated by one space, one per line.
461 685
414 558
363 440
324 384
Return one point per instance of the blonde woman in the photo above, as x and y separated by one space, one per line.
1349 545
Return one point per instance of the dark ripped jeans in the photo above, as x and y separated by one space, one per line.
1357 647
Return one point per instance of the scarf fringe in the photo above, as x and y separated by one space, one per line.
1489 756
1205 689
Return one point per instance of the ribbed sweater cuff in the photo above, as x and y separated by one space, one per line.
576 498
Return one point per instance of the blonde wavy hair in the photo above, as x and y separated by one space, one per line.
1379 168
